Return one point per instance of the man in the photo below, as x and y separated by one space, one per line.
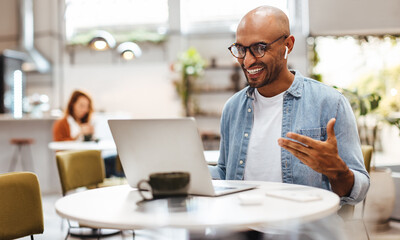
285 127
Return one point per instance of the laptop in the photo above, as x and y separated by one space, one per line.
147 146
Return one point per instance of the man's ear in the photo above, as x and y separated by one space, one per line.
290 43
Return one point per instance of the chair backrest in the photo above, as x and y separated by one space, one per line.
83 168
21 212
347 211
367 154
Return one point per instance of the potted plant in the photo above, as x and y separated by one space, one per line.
363 105
190 65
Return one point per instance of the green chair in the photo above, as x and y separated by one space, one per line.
21 212
347 211
367 154
83 168
367 151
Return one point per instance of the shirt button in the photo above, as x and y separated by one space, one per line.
241 162
249 110
246 134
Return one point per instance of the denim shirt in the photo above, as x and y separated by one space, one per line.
308 105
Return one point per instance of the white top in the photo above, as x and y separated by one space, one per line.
74 128
121 207
263 161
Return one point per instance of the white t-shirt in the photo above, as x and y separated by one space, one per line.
263 161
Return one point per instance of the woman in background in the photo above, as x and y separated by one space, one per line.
76 125
76 121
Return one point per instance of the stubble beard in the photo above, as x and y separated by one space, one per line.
268 79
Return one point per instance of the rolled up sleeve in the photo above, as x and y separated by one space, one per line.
359 190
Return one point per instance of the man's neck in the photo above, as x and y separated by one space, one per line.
280 85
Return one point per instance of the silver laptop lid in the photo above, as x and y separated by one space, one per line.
147 146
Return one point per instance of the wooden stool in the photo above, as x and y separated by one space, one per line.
20 142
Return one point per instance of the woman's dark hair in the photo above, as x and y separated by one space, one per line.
70 107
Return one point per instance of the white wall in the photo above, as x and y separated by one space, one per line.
144 90
363 17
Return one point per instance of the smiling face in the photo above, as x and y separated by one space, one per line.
264 70
264 24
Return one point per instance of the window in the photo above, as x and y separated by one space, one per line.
219 15
344 60
364 65
116 16
127 16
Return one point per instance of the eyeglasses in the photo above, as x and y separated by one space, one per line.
257 49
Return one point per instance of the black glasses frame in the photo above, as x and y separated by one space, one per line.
265 46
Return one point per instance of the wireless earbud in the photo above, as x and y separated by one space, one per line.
286 52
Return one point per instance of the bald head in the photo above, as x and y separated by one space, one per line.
269 20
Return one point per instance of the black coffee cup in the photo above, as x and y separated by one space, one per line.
166 184
87 137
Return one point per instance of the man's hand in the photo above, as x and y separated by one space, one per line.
322 157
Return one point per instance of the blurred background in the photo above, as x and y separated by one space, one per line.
169 58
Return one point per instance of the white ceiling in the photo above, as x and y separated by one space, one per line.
354 17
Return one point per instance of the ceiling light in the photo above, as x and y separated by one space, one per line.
129 50
100 44
101 41
393 92
128 55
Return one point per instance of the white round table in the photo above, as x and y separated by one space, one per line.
121 207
